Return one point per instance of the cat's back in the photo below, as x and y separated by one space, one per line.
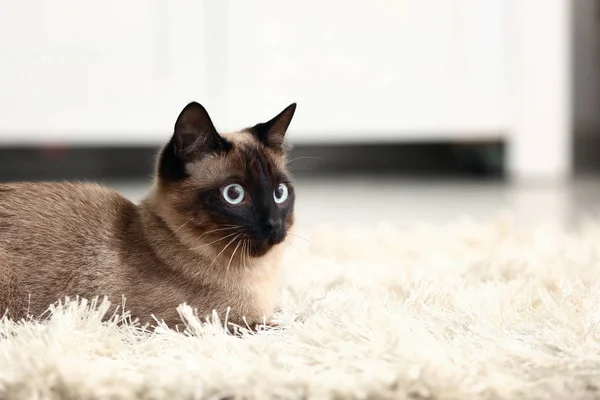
38 216
58 204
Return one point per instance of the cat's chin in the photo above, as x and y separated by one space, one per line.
259 248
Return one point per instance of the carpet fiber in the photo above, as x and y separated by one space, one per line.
461 311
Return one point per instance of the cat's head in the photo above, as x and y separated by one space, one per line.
227 190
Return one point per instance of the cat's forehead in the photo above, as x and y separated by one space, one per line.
240 139
247 159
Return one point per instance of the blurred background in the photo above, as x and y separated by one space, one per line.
408 110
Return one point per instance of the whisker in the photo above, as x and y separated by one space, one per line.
218 230
233 254
243 252
304 158
246 254
215 241
182 225
226 246
299 237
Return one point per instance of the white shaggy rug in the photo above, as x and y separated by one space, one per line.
462 311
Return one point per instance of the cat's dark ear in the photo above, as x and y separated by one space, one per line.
272 133
195 134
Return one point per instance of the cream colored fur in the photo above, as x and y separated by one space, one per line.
464 311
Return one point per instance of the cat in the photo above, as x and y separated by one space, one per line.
210 233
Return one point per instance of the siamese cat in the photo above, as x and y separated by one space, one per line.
210 232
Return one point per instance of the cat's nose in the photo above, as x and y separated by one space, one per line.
269 225
273 229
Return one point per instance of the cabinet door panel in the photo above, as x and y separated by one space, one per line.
382 66
102 72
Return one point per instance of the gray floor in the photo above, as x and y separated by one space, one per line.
360 200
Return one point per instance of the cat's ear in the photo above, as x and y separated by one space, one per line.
195 134
272 133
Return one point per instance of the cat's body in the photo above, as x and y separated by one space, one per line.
181 244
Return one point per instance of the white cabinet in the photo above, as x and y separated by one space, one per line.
376 70
96 72
383 70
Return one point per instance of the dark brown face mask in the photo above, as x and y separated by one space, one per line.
236 180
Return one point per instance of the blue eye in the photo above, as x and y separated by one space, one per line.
233 194
280 194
